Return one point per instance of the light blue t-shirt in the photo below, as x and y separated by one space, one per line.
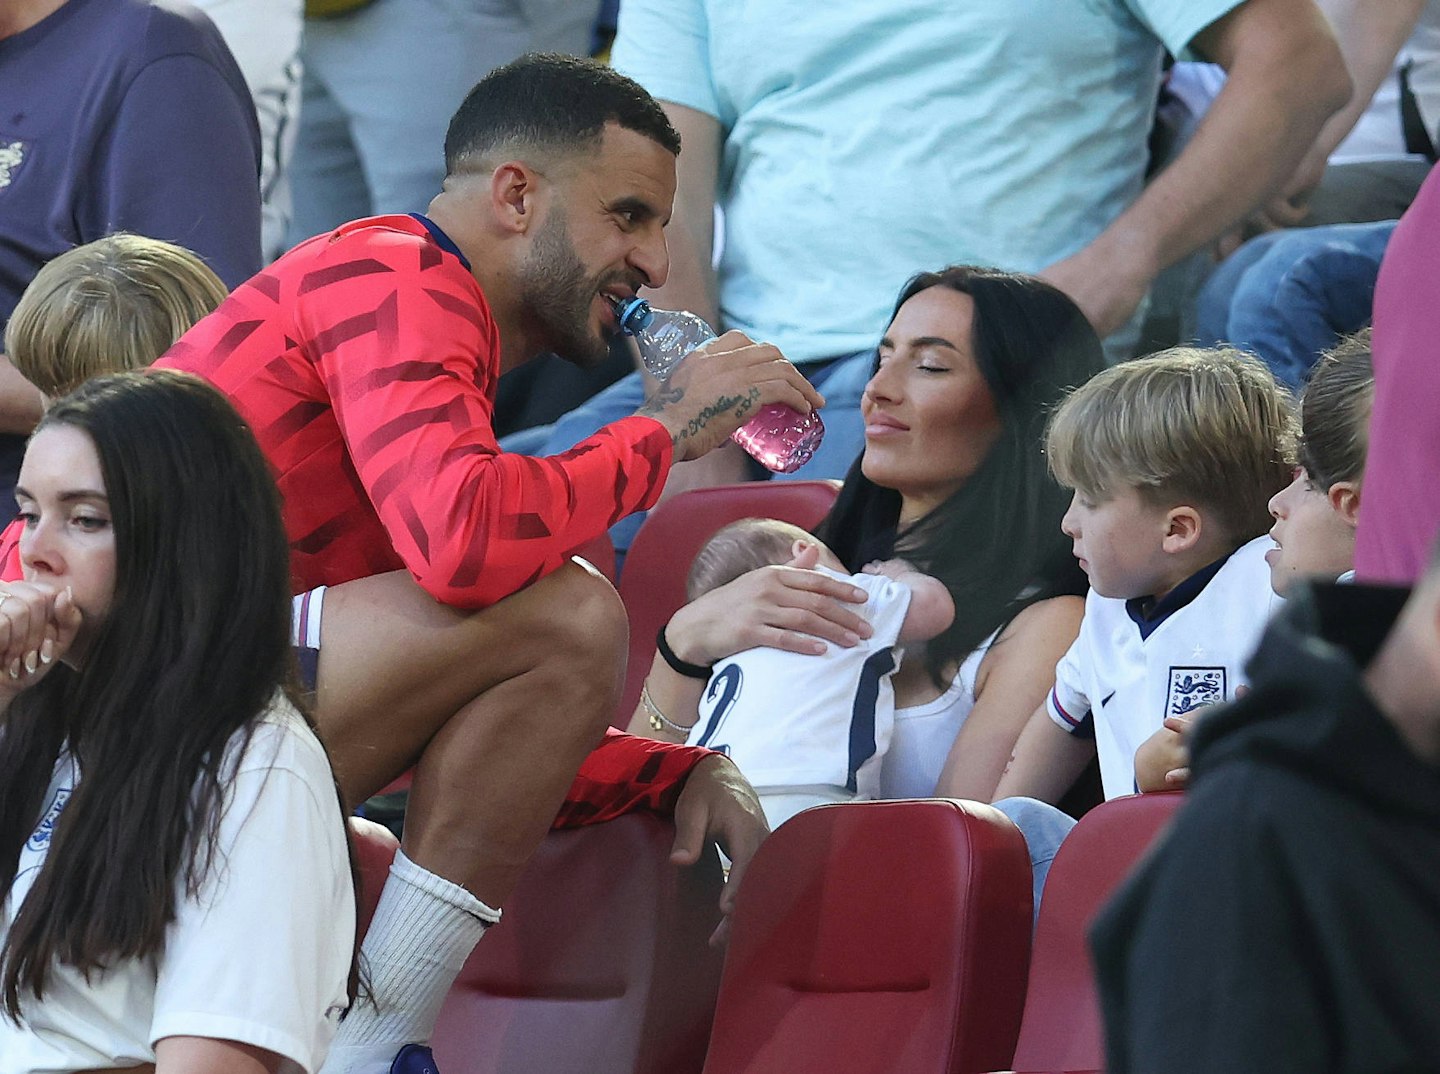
867 140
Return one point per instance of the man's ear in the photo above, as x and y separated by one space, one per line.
1182 529
1344 499
515 196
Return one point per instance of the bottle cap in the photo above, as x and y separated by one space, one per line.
634 316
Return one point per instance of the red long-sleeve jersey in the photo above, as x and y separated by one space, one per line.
366 362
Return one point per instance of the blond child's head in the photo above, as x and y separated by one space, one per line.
1316 514
1173 459
747 545
111 305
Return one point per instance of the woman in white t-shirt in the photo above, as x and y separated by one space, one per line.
953 480
177 890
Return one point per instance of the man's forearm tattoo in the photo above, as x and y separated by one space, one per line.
664 396
740 405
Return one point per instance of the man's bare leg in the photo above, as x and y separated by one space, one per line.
496 709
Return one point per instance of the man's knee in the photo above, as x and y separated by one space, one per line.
587 624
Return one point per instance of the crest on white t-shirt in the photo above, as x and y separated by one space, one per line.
40 837
1192 688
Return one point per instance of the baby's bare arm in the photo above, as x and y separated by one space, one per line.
931 610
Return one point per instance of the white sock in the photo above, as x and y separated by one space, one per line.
424 928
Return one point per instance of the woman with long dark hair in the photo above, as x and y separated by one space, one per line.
952 479
177 888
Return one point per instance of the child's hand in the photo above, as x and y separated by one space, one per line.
1162 763
893 569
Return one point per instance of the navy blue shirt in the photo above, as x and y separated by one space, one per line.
123 115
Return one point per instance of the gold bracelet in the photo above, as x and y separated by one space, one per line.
658 720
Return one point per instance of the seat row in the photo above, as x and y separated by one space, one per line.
884 937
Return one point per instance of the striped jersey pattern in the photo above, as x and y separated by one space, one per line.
366 361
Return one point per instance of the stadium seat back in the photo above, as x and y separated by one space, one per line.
375 847
600 965
1062 1028
878 938
652 584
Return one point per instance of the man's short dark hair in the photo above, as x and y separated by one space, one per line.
555 102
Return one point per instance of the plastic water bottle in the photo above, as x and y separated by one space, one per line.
779 437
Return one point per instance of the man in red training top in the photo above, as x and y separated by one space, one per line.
366 360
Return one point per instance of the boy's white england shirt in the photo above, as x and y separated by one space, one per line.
1130 672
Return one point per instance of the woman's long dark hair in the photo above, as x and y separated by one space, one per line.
995 542
193 650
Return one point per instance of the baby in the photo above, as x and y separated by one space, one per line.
804 729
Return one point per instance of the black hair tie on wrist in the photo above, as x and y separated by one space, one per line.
680 667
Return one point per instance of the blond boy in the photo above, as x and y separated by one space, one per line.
1173 459
112 305
109 306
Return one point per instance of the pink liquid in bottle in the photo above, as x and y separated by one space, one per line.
779 438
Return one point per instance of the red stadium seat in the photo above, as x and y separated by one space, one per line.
878 938
375 847
600 965
1062 1028
653 582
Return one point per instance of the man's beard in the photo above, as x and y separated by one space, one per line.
558 295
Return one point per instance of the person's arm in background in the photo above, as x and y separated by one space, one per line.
21 403
665 46
691 284
1371 34
1285 78
691 234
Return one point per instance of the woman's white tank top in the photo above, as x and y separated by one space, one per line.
925 732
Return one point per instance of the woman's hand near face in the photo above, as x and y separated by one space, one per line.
784 607
791 607
37 625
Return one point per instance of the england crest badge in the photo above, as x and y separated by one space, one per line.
1192 688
